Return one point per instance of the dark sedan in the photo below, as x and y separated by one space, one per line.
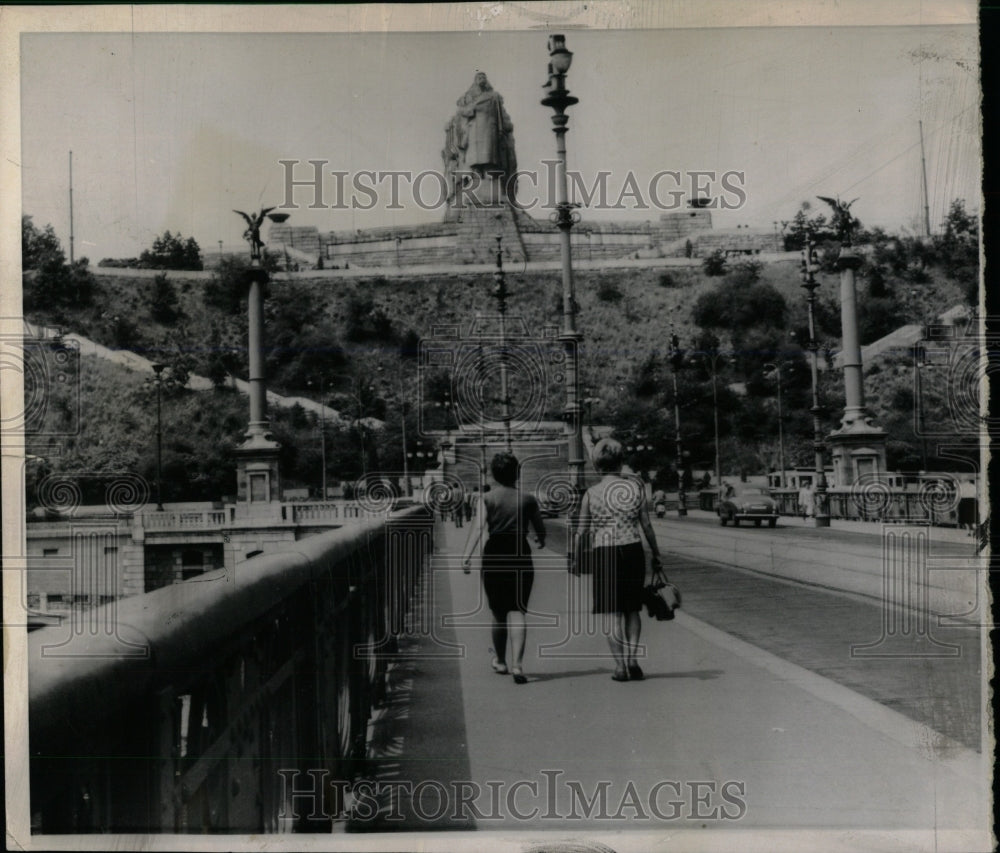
751 504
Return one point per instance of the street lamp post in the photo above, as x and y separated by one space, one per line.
588 401
564 216
158 370
821 513
715 418
446 409
322 436
500 292
400 393
676 358
360 424
781 430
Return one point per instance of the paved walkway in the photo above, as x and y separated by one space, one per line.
721 736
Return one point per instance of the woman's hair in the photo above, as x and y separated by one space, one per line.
608 456
505 469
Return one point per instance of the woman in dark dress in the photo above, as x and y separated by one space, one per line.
613 514
508 573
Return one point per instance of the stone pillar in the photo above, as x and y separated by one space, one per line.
258 481
857 447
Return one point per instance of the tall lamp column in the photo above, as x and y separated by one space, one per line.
676 359
715 417
821 511
781 428
158 370
500 292
564 216
322 436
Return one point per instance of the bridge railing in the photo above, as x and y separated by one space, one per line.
204 706
882 505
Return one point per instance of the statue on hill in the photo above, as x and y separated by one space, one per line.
479 138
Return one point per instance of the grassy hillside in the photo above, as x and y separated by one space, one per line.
359 336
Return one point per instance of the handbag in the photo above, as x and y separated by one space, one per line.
660 598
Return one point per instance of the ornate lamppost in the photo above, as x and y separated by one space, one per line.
500 292
712 357
821 512
564 216
400 394
776 365
158 370
322 434
676 360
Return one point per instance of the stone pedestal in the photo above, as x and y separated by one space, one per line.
478 227
857 452
258 479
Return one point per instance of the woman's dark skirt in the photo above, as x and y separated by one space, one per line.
619 577
508 574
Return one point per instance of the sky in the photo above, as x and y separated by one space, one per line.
174 130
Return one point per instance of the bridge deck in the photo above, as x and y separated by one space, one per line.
721 735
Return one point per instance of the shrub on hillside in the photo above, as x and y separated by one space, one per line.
715 264
608 291
164 307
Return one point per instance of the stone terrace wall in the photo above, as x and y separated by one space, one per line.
736 241
469 239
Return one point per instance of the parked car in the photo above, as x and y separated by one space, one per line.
751 504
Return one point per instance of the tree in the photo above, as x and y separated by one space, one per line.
172 252
49 283
164 307
958 249
38 247
366 321
802 227
715 263
740 303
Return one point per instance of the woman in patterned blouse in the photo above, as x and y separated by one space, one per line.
614 514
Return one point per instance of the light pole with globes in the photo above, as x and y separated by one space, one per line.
821 511
322 433
158 370
712 356
564 216
401 397
501 293
776 366
676 362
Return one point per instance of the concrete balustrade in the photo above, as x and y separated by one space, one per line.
186 709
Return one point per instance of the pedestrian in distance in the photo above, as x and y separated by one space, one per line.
807 499
505 514
614 518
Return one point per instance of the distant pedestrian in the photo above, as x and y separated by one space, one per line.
807 501
614 516
507 570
